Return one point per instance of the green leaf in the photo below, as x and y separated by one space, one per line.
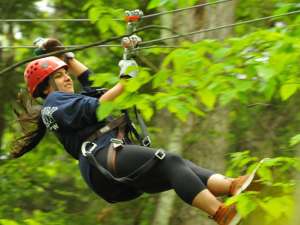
246 204
105 110
156 3
278 207
8 222
265 72
265 173
287 90
32 222
295 140
94 14
160 78
208 98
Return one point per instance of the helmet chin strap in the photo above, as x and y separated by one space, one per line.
53 84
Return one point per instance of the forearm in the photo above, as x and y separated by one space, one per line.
112 93
75 67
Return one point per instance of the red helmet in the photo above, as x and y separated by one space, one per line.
39 69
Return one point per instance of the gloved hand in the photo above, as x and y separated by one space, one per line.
128 68
47 45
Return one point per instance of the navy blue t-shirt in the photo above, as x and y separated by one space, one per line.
73 118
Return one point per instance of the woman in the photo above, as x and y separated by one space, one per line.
72 117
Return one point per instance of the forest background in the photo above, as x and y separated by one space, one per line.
224 99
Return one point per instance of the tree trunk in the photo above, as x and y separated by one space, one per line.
218 15
166 200
1 108
207 143
297 195
211 145
7 81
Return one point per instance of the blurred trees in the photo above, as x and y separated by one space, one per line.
234 94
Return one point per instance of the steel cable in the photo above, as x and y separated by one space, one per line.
88 20
221 27
148 42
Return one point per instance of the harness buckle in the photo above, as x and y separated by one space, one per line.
105 129
160 154
146 141
86 150
116 143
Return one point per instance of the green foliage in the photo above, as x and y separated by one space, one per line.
259 65
170 3
105 17
295 140
274 202
210 72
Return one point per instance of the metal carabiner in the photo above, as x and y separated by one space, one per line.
84 146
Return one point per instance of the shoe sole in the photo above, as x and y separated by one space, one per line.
248 182
235 220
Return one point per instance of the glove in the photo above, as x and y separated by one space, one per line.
128 68
47 45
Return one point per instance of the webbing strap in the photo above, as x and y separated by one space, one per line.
119 122
90 155
145 140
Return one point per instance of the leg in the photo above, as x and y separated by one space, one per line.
207 202
219 184
216 183
171 173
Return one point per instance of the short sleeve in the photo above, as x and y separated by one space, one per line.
75 111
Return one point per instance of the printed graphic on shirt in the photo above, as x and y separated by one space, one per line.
47 116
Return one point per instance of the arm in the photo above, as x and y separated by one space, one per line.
118 89
47 45
112 93
75 67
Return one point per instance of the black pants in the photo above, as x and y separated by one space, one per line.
173 172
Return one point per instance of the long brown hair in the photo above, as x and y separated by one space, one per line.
28 112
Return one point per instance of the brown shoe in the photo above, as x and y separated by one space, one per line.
227 215
246 182
240 184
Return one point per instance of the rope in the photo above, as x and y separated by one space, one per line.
88 20
221 27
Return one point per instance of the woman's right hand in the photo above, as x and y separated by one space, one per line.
128 68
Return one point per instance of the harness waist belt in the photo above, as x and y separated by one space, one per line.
119 122
88 151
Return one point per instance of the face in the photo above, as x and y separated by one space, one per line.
63 81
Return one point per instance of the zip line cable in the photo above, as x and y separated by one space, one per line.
67 46
71 49
220 27
45 20
88 20
184 9
116 46
100 46
147 42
